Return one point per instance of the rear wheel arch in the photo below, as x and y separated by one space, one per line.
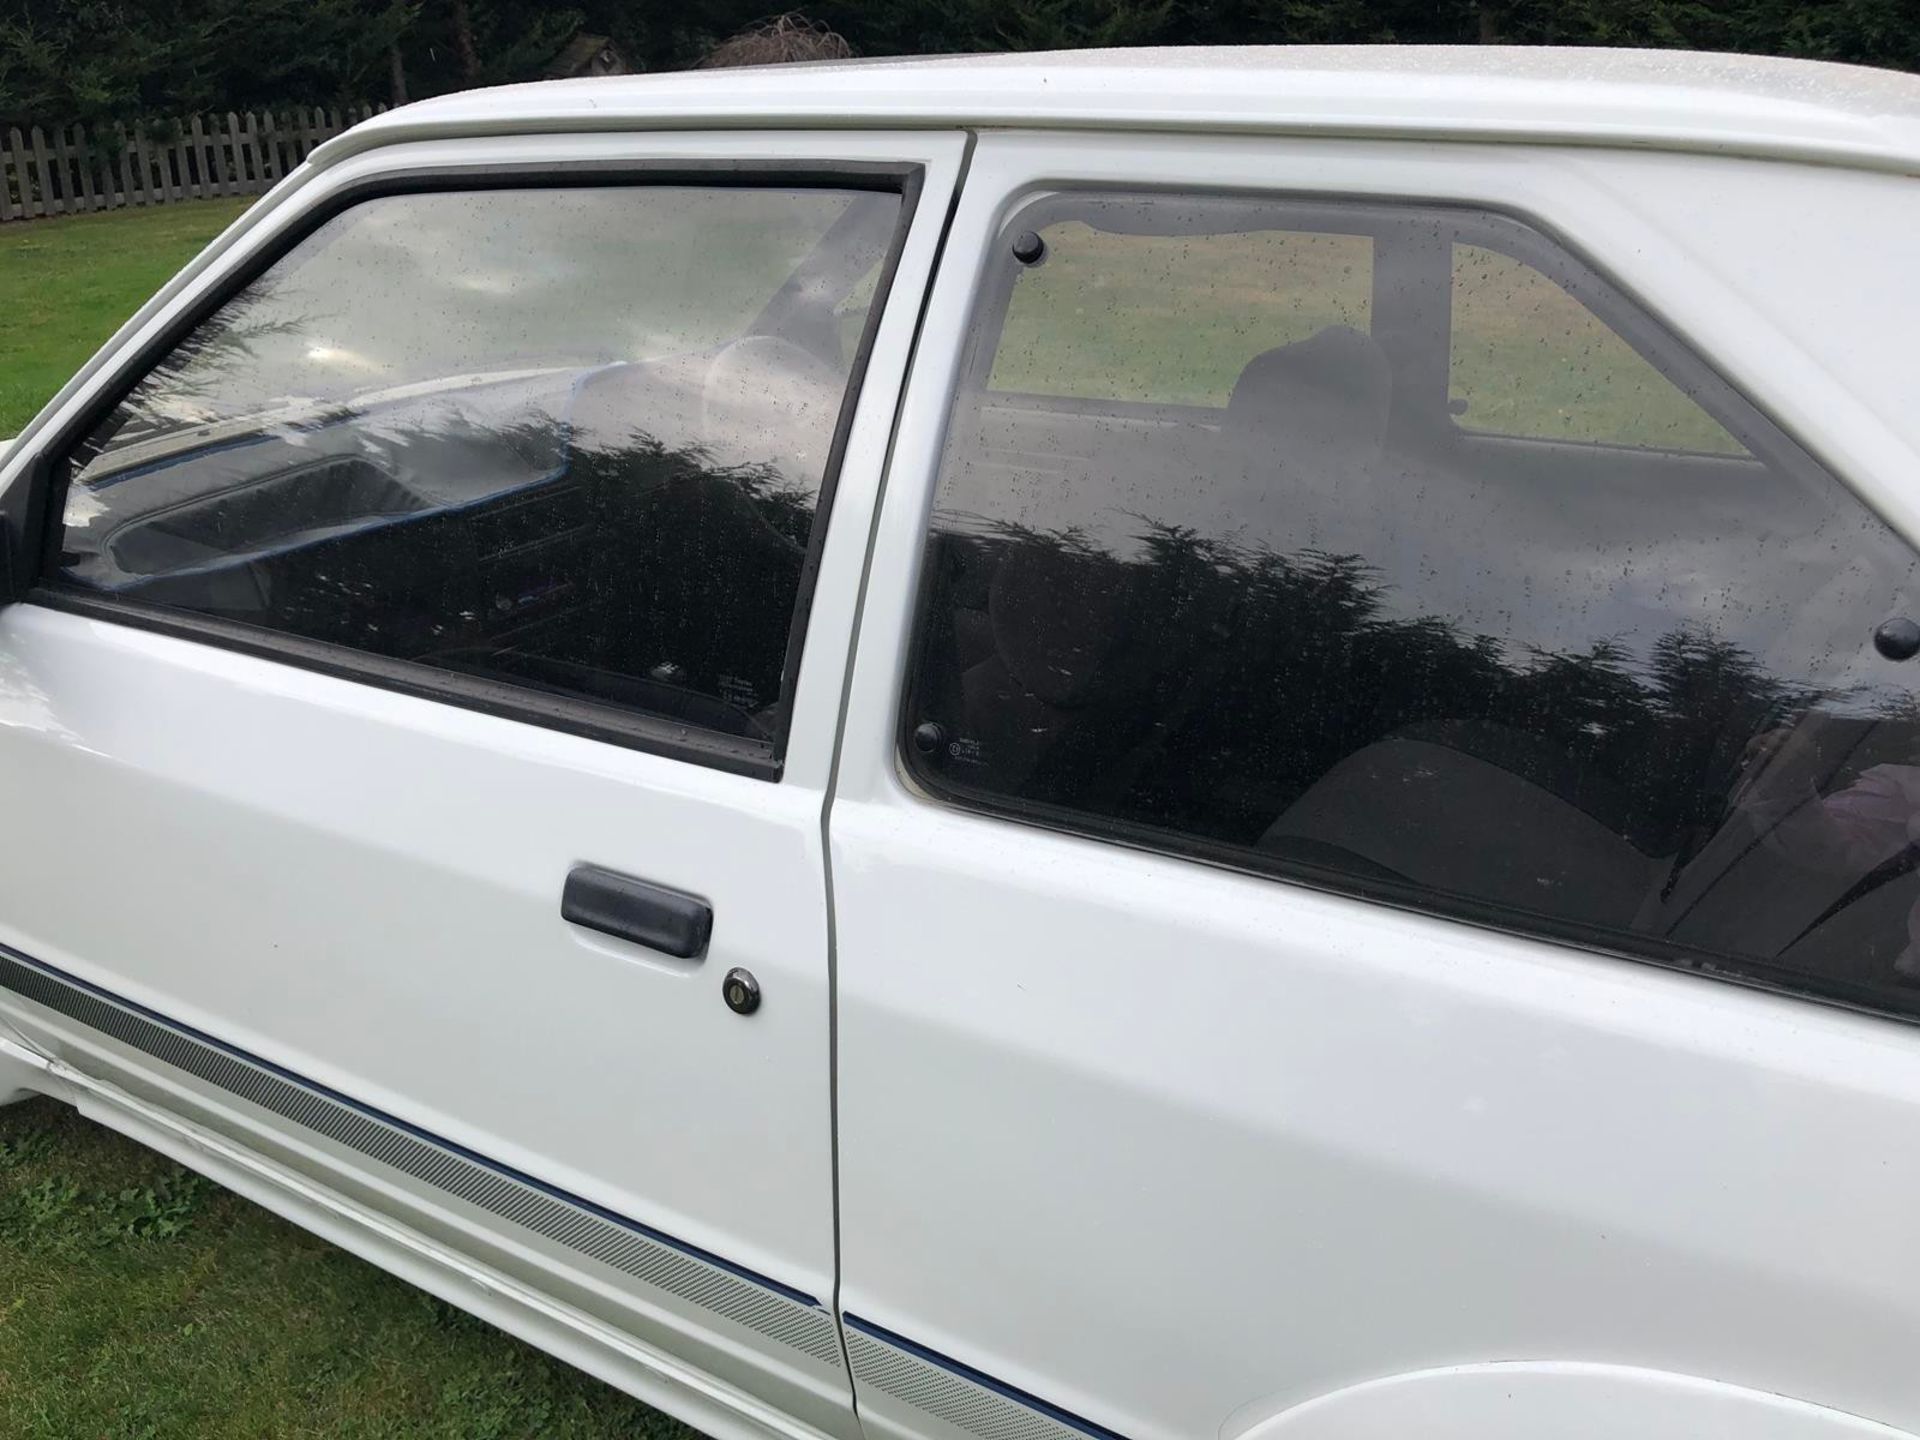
1523 1400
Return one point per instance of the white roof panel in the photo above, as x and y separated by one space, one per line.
1665 99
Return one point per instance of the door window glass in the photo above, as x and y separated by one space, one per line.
1619 691
1527 359
1104 317
570 439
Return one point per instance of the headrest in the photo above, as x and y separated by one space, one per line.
1320 399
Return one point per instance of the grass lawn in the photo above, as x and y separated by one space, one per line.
139 1300
1173 319
67 284
136 1299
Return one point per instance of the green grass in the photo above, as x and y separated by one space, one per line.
1173 319
67 284
1529 359
138 1300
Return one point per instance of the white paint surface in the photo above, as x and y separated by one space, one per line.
1189 1153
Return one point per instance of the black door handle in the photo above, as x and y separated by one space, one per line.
669 921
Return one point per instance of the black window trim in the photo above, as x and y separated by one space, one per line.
1768 440
47 481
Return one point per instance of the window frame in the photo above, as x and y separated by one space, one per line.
1635 320
51 476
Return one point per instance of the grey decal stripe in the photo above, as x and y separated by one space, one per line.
623 1245
952 1392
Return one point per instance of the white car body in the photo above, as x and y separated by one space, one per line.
1037 1134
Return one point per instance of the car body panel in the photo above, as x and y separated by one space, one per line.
1660 99
1037 1136
339 908
1578 1402
1282 1141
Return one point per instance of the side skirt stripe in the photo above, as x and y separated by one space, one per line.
765 1305
956 1393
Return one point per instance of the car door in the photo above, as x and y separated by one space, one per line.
1334 662
416 735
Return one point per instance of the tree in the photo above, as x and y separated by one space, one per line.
460 19
784 38
106 60
457 44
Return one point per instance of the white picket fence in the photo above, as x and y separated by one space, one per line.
71 172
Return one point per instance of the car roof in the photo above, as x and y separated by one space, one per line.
1658 99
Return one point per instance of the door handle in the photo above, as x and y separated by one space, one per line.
670 921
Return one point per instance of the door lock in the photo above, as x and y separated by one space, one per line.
741 991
